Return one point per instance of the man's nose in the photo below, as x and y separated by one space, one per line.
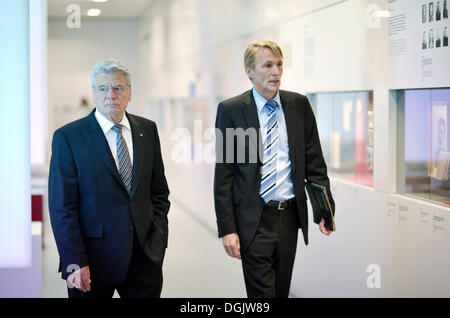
276 70
111 93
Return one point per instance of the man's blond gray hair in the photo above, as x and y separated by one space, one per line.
110 66
250 52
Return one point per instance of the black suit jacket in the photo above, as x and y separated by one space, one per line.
92 214
238 203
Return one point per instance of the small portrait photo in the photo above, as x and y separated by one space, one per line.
445 10
445 37
424 13
438 38
438 11
424 40
431 39
430 12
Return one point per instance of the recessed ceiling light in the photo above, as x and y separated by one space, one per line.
99 0
94 12
384 14
271 14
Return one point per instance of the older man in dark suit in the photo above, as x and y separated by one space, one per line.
108 195
260 174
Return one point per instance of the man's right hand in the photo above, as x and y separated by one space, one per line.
81 279
232 245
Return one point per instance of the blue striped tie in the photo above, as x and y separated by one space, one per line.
125 168
269 167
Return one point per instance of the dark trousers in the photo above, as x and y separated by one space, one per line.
269 259
143 280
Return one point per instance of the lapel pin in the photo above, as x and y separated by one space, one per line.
141 135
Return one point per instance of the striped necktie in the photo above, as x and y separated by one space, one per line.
123 157
269 167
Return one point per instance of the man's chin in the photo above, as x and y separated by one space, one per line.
115 116
273 89
117 111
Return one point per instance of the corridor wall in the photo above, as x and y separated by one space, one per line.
387 244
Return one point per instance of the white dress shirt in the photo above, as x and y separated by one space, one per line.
111 135
285 186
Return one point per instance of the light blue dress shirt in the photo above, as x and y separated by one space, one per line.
285 186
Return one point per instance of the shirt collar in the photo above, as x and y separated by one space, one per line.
106 124
261 101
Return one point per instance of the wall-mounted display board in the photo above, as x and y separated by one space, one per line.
418 42
424 115
345 124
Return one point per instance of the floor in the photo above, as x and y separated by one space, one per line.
195 266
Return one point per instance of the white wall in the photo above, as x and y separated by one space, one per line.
15 225
192 53
72 53
25 282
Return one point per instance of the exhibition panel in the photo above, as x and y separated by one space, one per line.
345 123
426 143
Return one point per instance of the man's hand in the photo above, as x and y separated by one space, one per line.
81 279
232 245
323 228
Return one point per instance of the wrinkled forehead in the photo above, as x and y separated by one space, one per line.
110 78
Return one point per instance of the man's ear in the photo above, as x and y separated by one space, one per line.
249 72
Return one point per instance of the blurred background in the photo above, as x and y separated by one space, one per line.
375 72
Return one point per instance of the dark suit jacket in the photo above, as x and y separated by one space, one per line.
92 214
238 203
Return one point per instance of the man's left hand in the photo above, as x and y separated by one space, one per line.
81 279
323 228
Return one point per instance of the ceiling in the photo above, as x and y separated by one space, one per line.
126 9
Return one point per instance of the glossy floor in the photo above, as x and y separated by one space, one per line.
195 265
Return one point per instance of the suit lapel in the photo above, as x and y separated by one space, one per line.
251 117
138 151
291 124
95 138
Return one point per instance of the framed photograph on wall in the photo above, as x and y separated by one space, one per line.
431 12
424 13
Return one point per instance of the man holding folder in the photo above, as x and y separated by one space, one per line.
261 205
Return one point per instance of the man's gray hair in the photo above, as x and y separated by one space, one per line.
109 66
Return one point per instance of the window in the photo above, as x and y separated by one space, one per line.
427 143
345 124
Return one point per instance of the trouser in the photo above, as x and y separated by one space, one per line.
143 280
269 259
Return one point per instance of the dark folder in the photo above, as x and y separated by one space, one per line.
321 204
